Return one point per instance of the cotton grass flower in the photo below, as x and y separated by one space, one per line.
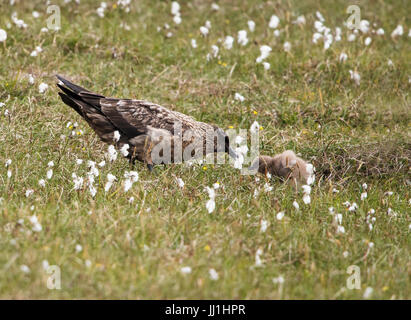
351 37
265 52
204 31
266 65
258 261
180 182
242 37
316 37
287 46
186 270
397 32
263 226
363 196
8 163
110 180
111 153
239 97
296 205
251 25
343 57
368 293
78 181
3 35
280 215
194 43
300 20
213 274
380 32
175 8
36 226
215 50
274 22
43 87
29 192
340 230
78 248
24 268
355 76
367 41
228 42
42 183
116 136
124 150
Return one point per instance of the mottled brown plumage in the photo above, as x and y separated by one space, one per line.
286 165
142 125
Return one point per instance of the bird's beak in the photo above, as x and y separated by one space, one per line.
232 153
150 167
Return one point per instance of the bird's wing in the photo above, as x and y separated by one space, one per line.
136 116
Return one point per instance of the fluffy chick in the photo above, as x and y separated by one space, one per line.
285 165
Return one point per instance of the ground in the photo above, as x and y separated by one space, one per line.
164 243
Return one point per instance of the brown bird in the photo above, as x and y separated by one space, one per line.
286 166
154 134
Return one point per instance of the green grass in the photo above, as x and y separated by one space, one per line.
305 102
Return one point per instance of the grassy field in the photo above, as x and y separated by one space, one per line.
107 246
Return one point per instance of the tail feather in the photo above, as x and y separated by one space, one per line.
77 89
68 101
87 105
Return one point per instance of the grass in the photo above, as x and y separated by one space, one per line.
305 102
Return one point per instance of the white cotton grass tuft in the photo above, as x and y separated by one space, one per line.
204 31
274 22
24 268
36 226
124 150
343 57
355 76
215 6
300 20
296 205
43 87
264 53
110 180
351 37
258 261
397 32
263 226
180 182
116 136
287 46
380 32
3 35
280 215
367 41
193 43
251 25
228 42
186 270
210 204
238 97
49 174
111 153
78 181
242 37
368 293
213 274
